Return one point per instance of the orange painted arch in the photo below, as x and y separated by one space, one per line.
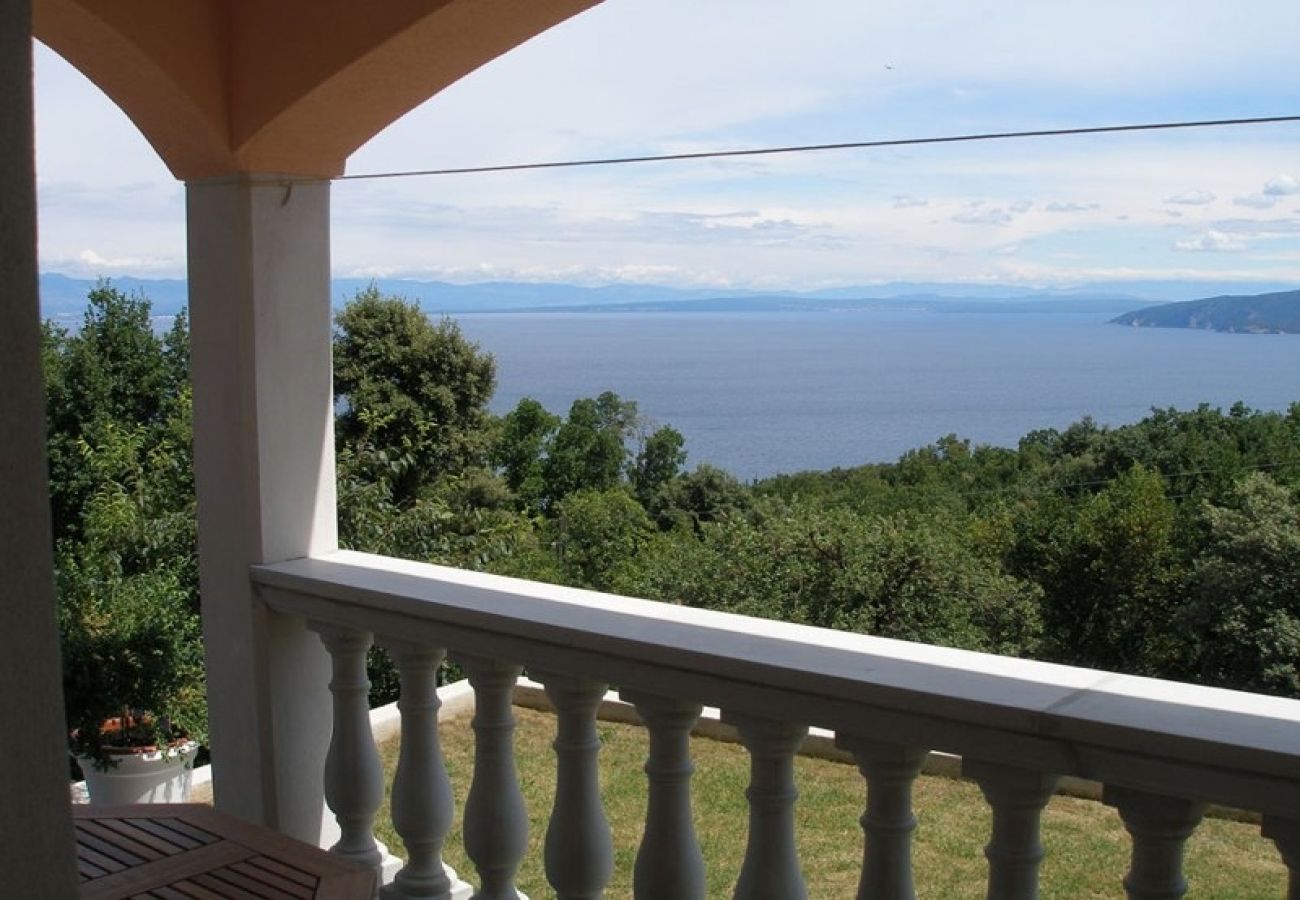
221 87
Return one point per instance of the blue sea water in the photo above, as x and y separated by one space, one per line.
762 393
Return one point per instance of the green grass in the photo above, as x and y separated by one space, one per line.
1087 847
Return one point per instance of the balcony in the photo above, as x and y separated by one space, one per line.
1163 751
256 113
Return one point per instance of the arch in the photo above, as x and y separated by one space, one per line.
226 86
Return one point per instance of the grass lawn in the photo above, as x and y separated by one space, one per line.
1087 847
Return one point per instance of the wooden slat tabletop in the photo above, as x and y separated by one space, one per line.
186 851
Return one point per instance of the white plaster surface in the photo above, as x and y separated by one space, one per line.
1224 746
36 839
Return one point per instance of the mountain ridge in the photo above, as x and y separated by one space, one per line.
1271 313
64 296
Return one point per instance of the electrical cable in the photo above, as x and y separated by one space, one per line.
812 148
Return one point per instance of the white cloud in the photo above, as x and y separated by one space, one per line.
977 213
992 215
1211 242
1281 186
1274 189
90 263
1254 201
1059 206
1191 198
1267 228
786 73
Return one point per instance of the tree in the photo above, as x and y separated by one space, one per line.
706 494
113 370
122 494
1242 616
599 533
588 451
1107 565
521 443
413 394
909 577
660 458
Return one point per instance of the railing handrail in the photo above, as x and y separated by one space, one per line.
1229 747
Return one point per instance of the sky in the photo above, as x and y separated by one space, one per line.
631 77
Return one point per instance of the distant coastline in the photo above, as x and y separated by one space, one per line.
1275 313
63 297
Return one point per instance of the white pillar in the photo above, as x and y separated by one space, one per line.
1017 798
496 820
770 870
579 849
264 472
888 822
37 851
1160 827
669 862
1285 833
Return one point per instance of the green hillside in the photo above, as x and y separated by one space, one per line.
1277 313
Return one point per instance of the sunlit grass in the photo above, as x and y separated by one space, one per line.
1086 844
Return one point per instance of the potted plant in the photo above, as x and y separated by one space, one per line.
132 679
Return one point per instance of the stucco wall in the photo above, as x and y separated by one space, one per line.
36 851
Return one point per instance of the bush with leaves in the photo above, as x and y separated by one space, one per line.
123 501
1241 619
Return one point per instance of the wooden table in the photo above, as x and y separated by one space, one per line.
183 851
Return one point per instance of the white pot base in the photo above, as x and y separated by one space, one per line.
155 777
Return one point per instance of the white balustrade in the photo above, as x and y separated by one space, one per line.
1014 851
496 821
1285 833
888 823
579 849
1160 827
354 780
1151 742
422 805
770 870
669 862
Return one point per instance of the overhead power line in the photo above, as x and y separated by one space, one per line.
817 148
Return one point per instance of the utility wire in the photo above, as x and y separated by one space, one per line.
812 148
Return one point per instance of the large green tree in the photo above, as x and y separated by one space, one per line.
522 440
114 371
1241 620
412 394
122 495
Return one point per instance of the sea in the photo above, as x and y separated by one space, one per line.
759 394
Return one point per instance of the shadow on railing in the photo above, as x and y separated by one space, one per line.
1162 750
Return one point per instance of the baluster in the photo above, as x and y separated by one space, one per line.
669 862
1017 798
422 798
1285 833
888 822
1160 827
496 821
771 867
579 849
354 780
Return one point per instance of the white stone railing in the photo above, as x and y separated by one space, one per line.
1163 750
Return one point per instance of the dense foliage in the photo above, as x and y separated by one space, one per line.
123 512
1168 547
